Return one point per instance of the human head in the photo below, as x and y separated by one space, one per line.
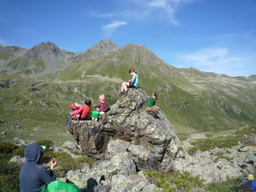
132 71
154 95
33 153
88 102
102 98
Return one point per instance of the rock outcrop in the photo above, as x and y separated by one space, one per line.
151 142
220 164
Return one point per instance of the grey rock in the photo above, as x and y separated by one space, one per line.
85 168
105 188
70 145
150 188
17 159
3 134
149 138
116 146
135 183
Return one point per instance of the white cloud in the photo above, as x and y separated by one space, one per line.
102 15
141 9
170 7
220 61
109 29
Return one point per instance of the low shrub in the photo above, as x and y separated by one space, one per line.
211 143
192 151
7 147
9 172
173 181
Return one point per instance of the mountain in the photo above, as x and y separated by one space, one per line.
252 77
41 59
9 53
102 48
192 100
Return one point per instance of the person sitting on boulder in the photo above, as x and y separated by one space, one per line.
102 107
151 105
84 110
33 175
130 83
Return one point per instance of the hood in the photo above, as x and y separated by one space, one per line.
33 153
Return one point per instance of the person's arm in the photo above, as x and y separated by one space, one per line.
133 78
97 106
78 111
45 176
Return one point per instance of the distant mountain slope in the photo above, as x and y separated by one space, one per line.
252 77
9 53
102 48
191 99
41 59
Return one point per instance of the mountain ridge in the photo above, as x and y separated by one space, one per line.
191 99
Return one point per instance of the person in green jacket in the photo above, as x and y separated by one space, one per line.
151 105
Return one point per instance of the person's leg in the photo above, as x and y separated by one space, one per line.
156 108
124 86
148 109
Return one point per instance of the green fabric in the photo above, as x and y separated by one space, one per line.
44 189
60 186
95 114
150 102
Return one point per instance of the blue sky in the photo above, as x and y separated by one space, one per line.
210 35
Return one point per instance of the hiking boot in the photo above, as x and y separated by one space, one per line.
153 114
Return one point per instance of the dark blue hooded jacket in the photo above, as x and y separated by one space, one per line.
32 175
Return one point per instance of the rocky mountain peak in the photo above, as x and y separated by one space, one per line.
100 49
47 48
252 77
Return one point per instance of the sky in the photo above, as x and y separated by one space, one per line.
210 35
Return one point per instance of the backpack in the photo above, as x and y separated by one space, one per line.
60 186
243 179
74 107
246 183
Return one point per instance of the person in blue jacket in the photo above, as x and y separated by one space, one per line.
33 175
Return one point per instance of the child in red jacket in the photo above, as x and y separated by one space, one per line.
84 110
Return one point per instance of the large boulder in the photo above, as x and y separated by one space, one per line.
151 141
